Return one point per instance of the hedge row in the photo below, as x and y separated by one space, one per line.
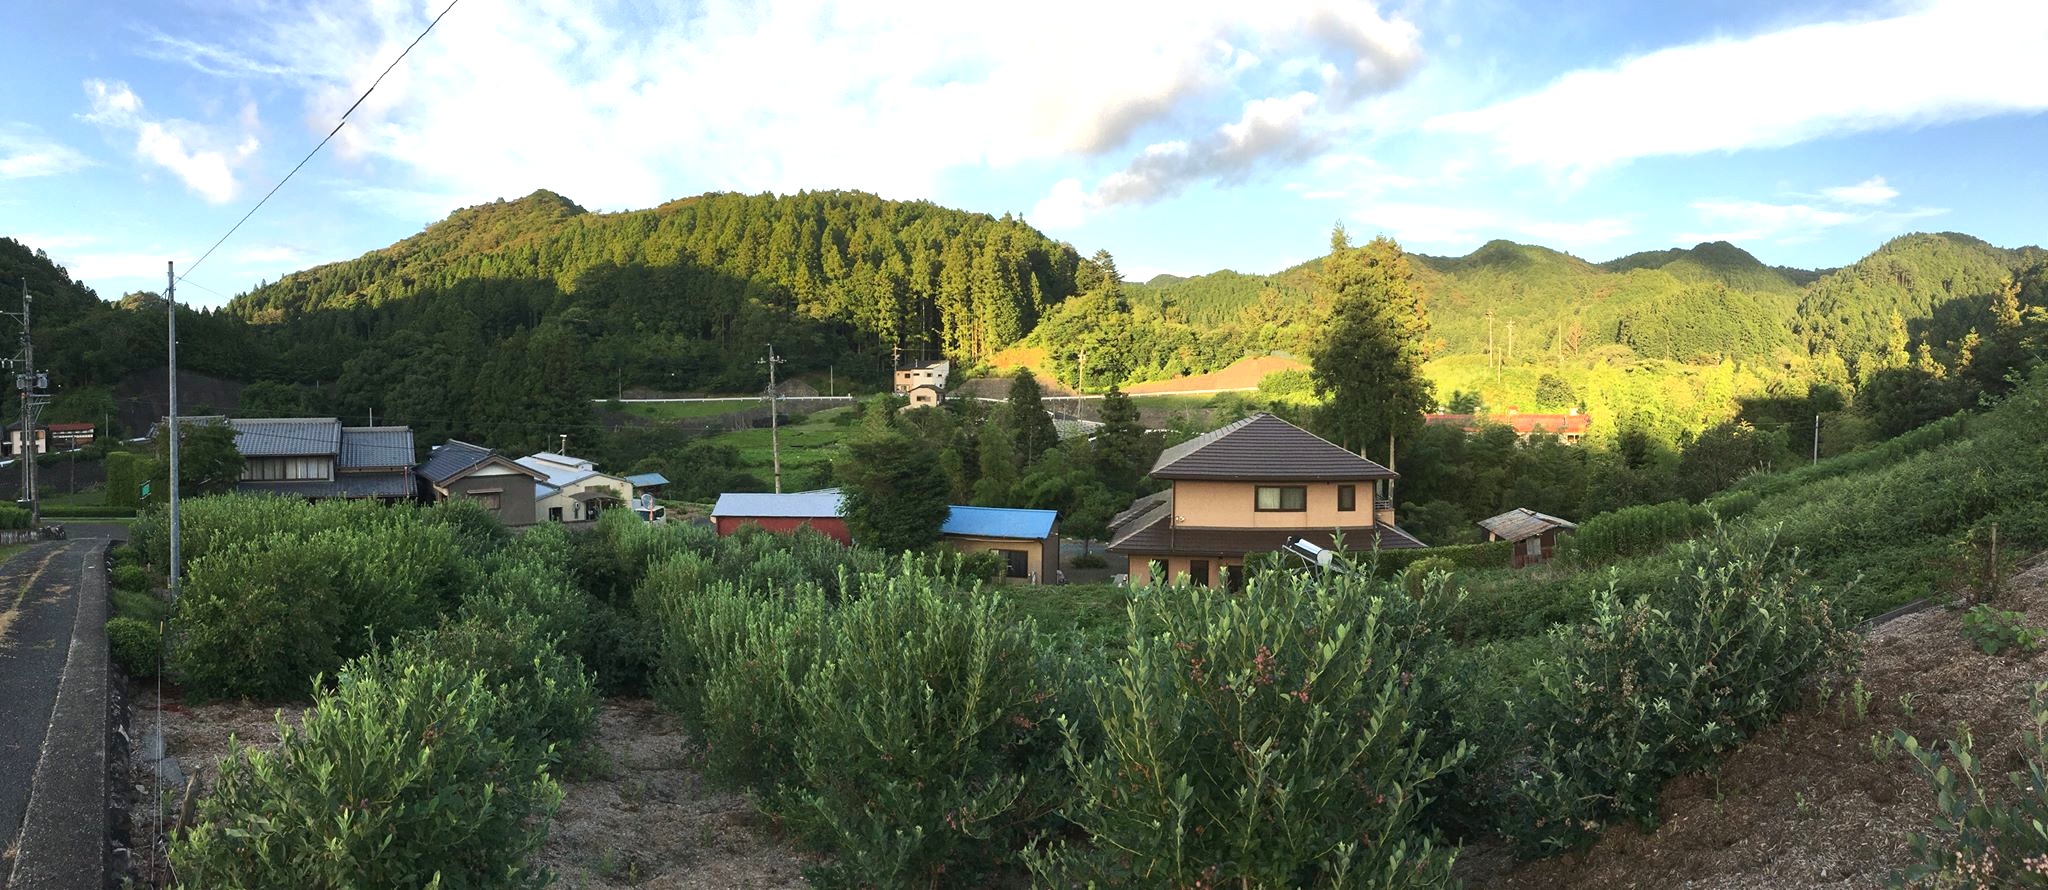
69 511
1489 555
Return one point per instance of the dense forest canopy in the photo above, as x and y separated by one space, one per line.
504 321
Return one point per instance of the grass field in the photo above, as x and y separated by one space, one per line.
815 441
685 410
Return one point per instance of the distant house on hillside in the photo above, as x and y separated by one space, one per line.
923 383
820 510
572 489
1534 534
1248 488
317 458
14 444
1568 427
461 471
71 436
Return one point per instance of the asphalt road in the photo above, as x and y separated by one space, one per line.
39 603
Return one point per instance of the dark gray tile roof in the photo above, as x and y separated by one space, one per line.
387 484
452 458
380 447
1140 507
1522 523
287 436
1264 448
1156 535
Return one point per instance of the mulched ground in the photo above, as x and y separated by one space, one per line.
1808 803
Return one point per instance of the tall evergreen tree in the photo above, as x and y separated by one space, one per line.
1029 424
1120 444
895 490
998 461
1368 363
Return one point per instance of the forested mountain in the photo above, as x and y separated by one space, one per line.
1938 286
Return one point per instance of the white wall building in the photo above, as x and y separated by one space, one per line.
574 490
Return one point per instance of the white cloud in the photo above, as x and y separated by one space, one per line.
186 149
1869 191
1743 220
621 105
25 153
1947 60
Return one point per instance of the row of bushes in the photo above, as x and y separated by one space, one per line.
1489 555
430 762
925 736
12 517
126 471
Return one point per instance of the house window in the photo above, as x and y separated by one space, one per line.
1534 547
1347 498
1282 499
554 514
488 499
1016 563
1198 572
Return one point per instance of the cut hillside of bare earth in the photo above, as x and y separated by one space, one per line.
1245 373
641 816
1809 803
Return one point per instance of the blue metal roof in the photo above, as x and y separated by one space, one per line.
647 480
999 522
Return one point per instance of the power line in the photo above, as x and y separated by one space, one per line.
323 141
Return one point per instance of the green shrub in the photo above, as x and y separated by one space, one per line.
1663 683
136 645
1983 837
132 578
1269 739
1996 630
404 776
544 697
126 471
1089 561
907 731
1634 531
927 751
12 517
1420 571
1489 555
262 617
1733 505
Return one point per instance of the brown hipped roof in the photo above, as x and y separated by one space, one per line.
1264 448
1157 535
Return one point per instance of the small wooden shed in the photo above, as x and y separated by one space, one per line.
1534 534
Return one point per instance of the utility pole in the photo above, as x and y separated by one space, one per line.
1511 340
1491 359
171 428
774 415
565 443
1816 438
32 385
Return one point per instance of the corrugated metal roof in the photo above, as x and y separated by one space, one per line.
1522 523
647 480
364 447
1264 448
287 436
820 504
999 522
563 459
452 458
1156 535
559 475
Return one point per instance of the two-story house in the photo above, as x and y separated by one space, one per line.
923 383
317 458
1247 488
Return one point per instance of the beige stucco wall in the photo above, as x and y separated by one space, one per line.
571 510
1043 553
1231 505
1178 567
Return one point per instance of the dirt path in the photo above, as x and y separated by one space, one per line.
1807 803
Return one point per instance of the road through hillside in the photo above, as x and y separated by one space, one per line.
39 599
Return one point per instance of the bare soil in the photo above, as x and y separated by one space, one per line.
645 817
1808 803
1245 373
639 815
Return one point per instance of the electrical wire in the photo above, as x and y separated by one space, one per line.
323 142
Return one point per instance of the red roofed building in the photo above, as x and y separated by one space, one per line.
1566 427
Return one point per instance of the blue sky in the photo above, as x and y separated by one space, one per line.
1183 137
